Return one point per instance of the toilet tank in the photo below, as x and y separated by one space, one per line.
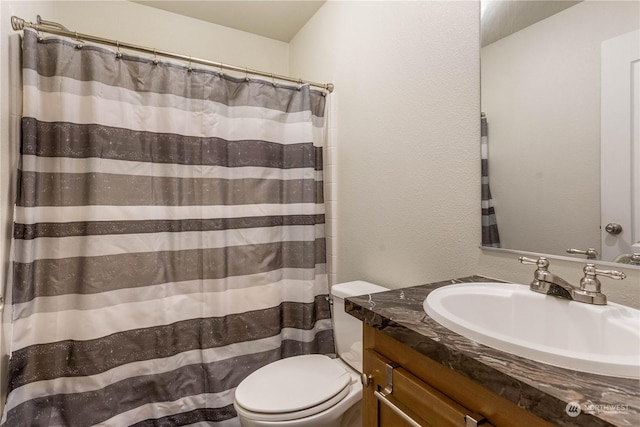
347 329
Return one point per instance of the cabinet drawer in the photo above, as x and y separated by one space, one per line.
397 398
459 391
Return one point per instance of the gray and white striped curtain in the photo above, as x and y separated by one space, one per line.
490 235
168 238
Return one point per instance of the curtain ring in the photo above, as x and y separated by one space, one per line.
189 69
273 80
155 57
79 45
246 74
118 53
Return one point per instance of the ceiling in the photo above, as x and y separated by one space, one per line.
501 18
276 19
282 19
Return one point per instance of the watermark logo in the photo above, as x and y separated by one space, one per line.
617 408
573 409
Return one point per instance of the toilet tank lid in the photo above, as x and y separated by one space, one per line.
357 287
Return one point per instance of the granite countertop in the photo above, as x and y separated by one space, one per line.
544 390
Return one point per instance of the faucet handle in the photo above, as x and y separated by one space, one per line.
541 262
591 269
590 283
538 284
591 253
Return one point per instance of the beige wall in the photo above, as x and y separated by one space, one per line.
407 108
406 130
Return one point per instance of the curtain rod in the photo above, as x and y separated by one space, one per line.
60 30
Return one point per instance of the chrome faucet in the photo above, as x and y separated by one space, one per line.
588 292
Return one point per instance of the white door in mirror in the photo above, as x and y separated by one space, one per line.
620 146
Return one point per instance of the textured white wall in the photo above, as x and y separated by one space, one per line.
407 82
406 130
541 94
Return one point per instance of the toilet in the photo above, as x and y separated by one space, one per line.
311 390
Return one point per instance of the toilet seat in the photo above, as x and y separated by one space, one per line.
292 388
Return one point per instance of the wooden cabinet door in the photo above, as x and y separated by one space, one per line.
396 398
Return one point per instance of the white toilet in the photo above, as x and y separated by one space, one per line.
311 390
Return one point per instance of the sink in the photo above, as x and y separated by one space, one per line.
602 339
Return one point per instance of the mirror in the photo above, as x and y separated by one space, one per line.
542 65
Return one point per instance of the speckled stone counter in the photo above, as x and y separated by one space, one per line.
544 390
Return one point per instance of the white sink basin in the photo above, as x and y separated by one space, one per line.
598 339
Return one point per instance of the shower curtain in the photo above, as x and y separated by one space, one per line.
490 235
168 238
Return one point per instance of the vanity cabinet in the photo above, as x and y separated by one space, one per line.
406 388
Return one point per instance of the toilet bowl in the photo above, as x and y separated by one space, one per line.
311 390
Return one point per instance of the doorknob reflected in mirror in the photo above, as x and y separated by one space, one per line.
613 228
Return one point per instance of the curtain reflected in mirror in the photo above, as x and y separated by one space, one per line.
490 234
